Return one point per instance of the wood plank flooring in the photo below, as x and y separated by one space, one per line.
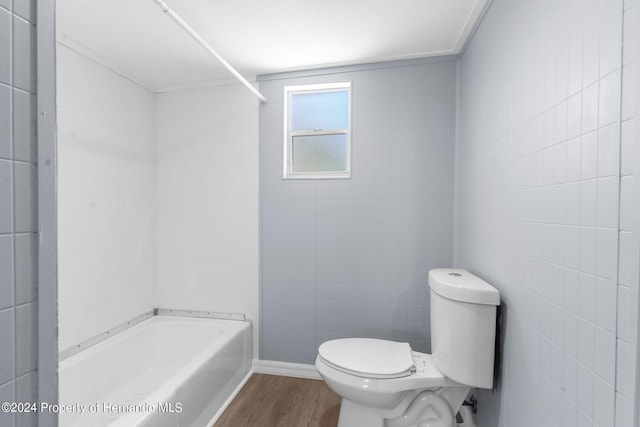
275 401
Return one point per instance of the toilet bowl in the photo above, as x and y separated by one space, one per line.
370 398
385 383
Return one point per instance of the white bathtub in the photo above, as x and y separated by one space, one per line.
165 371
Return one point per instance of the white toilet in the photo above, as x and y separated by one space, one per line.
385 383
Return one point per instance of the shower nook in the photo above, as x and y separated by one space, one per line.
158 255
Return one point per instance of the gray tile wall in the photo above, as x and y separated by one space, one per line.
540 211
349 258
18 207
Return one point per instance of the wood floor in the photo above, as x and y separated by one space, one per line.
275 401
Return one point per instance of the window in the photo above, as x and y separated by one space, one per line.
317 129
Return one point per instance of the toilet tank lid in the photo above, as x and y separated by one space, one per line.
460 285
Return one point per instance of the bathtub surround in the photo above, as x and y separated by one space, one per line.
207 201
543 212
106 131
18 208
83 345
147 176
350 257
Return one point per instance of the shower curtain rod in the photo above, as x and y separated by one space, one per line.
166 9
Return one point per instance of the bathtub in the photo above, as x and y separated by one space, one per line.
165 371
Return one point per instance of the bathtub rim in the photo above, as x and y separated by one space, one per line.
124 326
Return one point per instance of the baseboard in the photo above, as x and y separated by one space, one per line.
297 370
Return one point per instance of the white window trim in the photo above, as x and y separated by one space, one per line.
289 135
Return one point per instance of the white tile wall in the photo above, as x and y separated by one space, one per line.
7 394
25 9
6 188
24 39
558 237
25 209
26 388
6 271
26 267
5 45
18 207
26 338
7 335
24 126
5 121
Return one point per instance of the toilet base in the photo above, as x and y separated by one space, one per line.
432 408
355 415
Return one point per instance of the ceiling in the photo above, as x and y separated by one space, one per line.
135 38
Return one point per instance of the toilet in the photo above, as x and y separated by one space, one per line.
385 383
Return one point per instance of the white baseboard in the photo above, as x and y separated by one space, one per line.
297 370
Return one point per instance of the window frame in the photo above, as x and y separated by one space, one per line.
289 135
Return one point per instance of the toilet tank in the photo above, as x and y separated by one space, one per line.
463 326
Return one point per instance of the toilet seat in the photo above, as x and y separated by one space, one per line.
368 357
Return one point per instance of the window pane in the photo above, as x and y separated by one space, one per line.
320 110
319 153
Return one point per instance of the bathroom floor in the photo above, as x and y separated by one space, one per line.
275 401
